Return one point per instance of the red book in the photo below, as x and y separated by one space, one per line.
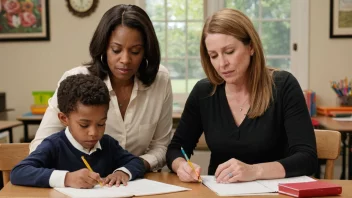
310 189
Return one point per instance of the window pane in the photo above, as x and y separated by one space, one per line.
160 33
279 63
195 73
195 9
248 7
194 32
155 9
177 72
256 25
276 9
176 9
176 39
276 37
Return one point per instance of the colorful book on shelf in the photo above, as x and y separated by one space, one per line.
310 98
310 189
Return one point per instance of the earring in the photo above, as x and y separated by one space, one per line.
101 58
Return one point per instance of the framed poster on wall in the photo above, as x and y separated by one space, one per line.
24 20
340 18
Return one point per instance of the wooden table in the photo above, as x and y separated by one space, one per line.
198 190
3 114
345 128
7 126
28 119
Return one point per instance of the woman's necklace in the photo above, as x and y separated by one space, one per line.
123 96
123 100
241 106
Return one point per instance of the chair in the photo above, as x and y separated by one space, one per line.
328 148
11 155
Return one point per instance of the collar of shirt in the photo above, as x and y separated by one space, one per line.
78 146
138 85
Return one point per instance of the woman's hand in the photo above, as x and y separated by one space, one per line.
234 171
116 178
184 171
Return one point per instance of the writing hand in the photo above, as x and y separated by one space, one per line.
82 178
186 173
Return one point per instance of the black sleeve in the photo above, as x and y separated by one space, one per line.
302 151
123 158
189 129
36 169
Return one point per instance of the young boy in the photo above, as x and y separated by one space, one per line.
83 101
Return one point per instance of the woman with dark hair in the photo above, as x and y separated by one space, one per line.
126 56
254 118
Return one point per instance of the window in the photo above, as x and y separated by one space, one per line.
271 19
178 24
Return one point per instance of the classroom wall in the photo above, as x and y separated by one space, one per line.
38 65
329 59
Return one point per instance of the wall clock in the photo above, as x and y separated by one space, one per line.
82 8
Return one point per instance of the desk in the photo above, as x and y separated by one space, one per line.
198 190
3 114
28 119
7 126
345 128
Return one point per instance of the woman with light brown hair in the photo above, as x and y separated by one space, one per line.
254 118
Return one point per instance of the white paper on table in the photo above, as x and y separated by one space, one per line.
274 183
346 119
139 187
259 187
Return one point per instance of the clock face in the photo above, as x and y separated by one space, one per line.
81 5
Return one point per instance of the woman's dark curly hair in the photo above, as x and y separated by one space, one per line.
133 17
86 89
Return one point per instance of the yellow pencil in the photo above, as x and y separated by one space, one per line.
89 168
191 165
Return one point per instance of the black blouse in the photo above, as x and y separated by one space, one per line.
284 133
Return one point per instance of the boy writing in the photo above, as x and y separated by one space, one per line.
83 101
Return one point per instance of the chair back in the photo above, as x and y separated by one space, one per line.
328 148
10 156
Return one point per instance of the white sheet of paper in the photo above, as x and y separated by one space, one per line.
274 183
95 192
346 119
134 188
234 189
259 187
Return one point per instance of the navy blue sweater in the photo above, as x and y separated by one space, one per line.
57 153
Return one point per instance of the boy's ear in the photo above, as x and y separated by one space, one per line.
63 118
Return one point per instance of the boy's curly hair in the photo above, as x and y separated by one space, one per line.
86 89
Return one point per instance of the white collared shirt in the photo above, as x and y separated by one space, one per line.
57 177
145 130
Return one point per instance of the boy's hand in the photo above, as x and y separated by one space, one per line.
116 178
82 178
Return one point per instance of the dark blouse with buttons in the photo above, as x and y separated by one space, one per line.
284 133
